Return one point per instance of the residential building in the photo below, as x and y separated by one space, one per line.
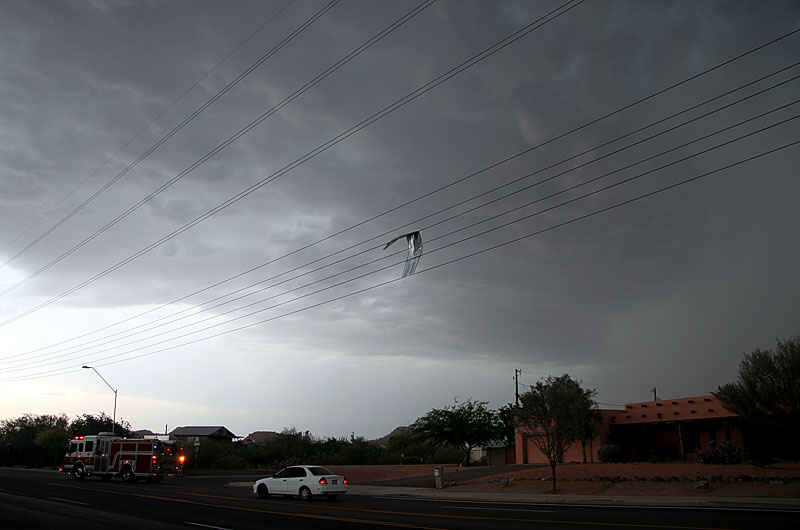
189 434
650 429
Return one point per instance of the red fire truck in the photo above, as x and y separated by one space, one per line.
107 456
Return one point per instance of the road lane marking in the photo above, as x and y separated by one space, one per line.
588 505
386 512
270 512
498 509
206 525
69 501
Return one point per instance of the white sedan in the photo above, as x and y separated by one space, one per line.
305 481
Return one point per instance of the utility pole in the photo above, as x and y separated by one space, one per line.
655 396
516 384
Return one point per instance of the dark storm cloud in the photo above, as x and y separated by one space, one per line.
633 294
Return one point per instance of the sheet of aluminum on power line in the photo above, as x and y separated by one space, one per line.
414 240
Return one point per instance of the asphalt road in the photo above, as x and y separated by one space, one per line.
49 500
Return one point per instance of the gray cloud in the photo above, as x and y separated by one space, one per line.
665 292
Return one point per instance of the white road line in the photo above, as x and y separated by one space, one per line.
612 504
498 509
206 526
69 501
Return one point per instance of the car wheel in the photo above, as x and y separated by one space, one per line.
78 473
263 491
305 494
127 475
331 496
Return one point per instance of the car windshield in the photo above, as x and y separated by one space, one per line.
317 471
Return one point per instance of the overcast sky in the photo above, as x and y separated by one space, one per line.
112 257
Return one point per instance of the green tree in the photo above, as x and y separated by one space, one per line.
53 440
766 396
18 439
507 414
463 426
554 413
590 427
91 424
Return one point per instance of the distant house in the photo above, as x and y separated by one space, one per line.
260 437
668 427
494 453
189 434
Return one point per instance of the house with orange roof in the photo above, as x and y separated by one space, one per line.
669 428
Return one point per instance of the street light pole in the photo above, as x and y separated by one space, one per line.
114 424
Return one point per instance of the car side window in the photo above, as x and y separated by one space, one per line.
298 472
284 473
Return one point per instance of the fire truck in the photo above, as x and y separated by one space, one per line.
131 459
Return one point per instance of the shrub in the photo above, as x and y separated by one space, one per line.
723 453
609 453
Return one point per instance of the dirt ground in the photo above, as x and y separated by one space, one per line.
781 480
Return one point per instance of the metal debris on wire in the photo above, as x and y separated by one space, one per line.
414 240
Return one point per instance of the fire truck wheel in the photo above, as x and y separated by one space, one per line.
305 494
78 473
263 491
127 475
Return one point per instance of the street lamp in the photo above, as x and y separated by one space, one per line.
113 425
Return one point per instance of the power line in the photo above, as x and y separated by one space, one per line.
565 223
152 149
151 326
594 179
488 52
118 151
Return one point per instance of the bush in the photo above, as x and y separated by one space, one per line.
721 454
609 453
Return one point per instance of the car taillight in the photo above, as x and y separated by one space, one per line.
344 481
323 481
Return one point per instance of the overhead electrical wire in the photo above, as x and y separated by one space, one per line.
488 52
132 139
155 325
565 190
571 188
64 371
151 326
585 125
573 157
